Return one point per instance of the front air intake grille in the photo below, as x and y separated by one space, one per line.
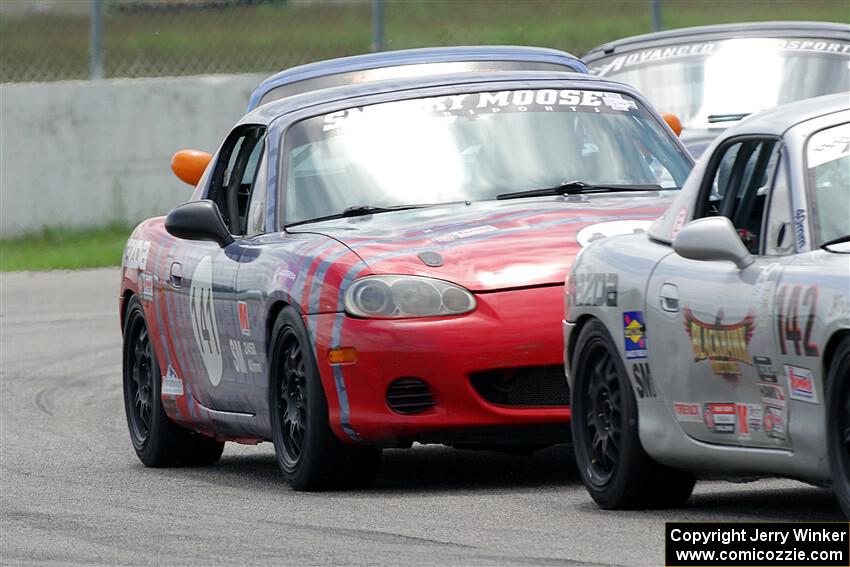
526 386
409 396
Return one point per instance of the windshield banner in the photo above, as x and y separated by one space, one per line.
704 49
473 104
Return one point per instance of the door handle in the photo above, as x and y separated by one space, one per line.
669 298
176 276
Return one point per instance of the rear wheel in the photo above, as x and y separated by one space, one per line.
309 454
157 440
612 463
838 423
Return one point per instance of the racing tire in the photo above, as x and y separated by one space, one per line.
612 463
838 423
308 453
158 441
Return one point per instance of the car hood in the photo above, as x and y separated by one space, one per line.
492 245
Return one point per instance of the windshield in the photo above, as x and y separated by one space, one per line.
828 177
474 146
711 84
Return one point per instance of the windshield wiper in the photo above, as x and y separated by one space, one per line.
576 187
358 211
733 117
834 241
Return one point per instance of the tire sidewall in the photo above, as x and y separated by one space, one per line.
613 490
838 387
305 471
145 450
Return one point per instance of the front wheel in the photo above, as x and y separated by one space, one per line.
157 440
613 466
308 452
838 423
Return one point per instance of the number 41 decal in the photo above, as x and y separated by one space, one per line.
788 321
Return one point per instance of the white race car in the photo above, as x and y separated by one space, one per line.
718 343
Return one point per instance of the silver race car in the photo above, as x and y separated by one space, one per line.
718 343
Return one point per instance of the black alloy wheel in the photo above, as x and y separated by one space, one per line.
309 454
612 463
141 386
603 421
291 399
158 441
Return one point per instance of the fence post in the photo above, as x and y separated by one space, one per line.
96 41
656 15
377 25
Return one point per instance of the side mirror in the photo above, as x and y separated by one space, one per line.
189 165
712 238
673 122
198 220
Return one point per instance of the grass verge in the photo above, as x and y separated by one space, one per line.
64 249
161 38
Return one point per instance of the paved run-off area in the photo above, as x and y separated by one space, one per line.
72 490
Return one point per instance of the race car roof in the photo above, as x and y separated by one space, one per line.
391 88
778 120
384 59
824 30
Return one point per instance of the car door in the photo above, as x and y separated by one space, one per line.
709 322
203 276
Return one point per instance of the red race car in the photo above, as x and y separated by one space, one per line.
374 265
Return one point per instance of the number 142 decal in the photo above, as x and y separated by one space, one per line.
788 321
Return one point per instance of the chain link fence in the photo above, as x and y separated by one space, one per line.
50 40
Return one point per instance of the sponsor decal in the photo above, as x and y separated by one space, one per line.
239 362
749 419
634 334
801 384
773 422
707 48
240 350
687 412
172 385
828 145
813 45
788 318
466 233
490 102
840 306
204 324
720 418
147 286
800 228
723 345
764 368
595 290
765 288
244 323
650 55
281 273
600 230
643 380
136 254
771 393
254 367
679 222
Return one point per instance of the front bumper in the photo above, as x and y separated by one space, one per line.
508 330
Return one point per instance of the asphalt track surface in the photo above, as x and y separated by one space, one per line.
73 492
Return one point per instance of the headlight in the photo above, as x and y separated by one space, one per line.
406 296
